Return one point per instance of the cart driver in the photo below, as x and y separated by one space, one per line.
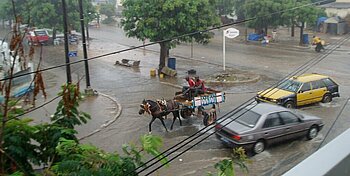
199 86
188 90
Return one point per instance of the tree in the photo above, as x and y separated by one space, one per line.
238 7
5 12
48 13
225 7
109 10
159 20
264 11
300 16
226 166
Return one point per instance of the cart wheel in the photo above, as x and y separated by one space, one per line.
208 119
186 113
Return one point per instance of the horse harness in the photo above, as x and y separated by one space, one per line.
149 109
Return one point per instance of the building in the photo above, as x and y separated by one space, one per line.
339 8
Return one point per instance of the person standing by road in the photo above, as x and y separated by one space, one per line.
274 35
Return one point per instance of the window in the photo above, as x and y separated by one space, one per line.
40 33
328 82
305 87
289 85
247 118
318 84
288 117
272 120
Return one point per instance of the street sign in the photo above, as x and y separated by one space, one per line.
73 53
231 33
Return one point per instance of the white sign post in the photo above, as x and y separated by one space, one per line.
229 33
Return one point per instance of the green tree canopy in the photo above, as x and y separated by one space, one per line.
225 7
159 20
265 11
46 13
300 16
109 10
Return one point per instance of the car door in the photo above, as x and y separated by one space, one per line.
272 128
318 90
304 95
291 125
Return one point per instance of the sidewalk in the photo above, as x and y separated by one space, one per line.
103 109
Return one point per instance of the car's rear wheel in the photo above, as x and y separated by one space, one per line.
327 98
289 104
312 133
259 147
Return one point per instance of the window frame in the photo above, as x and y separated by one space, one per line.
284 122
301 87
269 117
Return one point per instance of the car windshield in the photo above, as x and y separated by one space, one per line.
290 85
40 33
247 117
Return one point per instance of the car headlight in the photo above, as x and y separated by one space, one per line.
273 100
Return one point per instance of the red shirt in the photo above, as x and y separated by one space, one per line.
191 82
200 83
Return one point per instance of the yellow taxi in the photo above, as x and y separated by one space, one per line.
301 90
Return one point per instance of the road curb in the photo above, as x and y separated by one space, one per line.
255 79
119 111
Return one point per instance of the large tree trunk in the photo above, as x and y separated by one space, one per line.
301 33
87 32
54 32
163 54
292 34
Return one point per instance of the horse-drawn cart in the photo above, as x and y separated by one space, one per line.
188 106
185 106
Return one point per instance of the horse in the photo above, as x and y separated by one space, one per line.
158 109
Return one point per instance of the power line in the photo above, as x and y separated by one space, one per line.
304 66
321 57
336 119
316 60
165 40
38 107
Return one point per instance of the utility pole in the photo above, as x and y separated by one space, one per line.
66 49
88 89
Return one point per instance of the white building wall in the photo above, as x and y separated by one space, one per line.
342 1
337 12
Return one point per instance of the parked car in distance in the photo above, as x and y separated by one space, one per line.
261 124
37 36
301 90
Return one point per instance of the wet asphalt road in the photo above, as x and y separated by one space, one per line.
130 86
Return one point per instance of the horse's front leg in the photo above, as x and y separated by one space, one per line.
150 124
161 119
178 116
172 124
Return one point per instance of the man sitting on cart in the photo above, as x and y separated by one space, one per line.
199 86
188 91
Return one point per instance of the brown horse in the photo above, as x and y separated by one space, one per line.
159 109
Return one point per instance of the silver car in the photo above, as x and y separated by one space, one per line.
262 124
